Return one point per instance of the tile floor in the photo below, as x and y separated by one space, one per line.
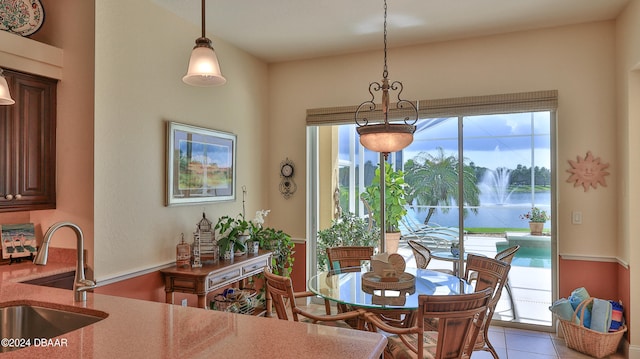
513 343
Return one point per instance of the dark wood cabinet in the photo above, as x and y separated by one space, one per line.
28 144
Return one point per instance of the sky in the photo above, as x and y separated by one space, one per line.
491 141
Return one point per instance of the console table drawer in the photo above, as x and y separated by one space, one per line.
208 278
257 266
217 279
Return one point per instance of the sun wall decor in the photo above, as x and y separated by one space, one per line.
588 172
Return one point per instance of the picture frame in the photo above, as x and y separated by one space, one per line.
201 165
18 240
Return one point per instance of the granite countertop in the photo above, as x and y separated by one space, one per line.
142 329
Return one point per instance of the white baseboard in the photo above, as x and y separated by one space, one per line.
633 350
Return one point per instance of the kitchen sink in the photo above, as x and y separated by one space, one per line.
30 323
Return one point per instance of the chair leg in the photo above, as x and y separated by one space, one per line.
327 306
513 304
489 347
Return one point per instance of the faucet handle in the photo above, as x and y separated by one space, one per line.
86 284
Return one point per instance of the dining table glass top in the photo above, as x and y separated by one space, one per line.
348 288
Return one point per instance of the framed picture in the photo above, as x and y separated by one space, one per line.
18 240
201 165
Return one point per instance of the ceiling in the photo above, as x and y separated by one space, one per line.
283 30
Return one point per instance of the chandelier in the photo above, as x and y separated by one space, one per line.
386 137
204 69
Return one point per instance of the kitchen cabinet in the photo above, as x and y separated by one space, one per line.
28 144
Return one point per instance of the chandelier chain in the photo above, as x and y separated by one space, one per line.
203 18
385 73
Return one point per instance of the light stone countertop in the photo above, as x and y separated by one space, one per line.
144 329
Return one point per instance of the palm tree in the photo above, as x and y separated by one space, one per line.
433 182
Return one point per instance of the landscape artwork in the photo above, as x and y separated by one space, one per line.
200 165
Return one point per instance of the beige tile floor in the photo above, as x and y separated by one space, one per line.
511 343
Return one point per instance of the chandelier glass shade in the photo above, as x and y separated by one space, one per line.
204 68
5 95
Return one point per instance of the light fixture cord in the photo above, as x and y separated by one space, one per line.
385 73
203 13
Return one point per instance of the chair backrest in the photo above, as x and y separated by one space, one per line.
489 273
460 318
348 259
281 291
421 253
507 254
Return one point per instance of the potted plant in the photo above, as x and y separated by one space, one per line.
537 218
255 231
347 230
395 202
233 234
281 246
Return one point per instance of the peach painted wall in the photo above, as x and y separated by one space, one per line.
628 131
69 26
146 287
299 274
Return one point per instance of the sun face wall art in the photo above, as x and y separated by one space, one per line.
588 172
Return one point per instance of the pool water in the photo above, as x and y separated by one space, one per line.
532 257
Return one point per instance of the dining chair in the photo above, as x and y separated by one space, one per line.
282 296
460 319
346 259
349 259
487 273
422 254
507 257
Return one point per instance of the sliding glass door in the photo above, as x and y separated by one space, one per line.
473 177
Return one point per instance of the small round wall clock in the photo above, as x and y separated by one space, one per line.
287 185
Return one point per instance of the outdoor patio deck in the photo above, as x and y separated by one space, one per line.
531 286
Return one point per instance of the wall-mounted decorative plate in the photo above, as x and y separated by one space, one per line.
22 17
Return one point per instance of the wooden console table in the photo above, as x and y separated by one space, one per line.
208 278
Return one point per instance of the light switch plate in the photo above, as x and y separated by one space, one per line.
576 217
184 302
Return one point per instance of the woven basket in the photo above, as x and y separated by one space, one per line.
239 301
587 341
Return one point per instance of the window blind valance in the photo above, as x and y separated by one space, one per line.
450 107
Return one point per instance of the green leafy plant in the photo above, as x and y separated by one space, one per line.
535 215
348 230
281 246
230 230
395 202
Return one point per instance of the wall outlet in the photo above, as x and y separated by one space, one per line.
184 302
576 217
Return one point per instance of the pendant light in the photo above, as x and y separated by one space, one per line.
386 137
204 69
5 96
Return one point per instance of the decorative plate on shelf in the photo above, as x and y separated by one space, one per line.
22 17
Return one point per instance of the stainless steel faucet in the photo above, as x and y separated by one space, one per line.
80 283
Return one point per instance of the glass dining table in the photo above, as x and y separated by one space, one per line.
349 288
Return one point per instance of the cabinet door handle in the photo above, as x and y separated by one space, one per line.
18 196
9 197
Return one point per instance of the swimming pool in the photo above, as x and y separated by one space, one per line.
539 257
